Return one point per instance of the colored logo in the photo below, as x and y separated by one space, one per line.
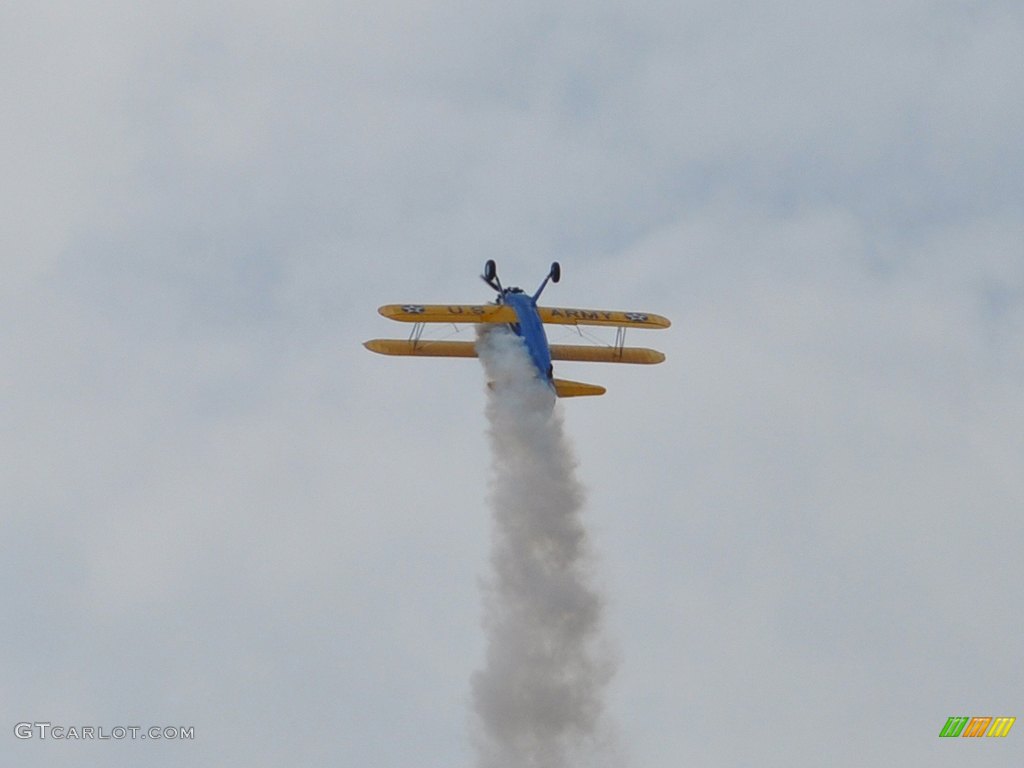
977 726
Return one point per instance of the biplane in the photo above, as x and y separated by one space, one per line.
519 312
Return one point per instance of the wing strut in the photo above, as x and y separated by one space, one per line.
620 339
414 335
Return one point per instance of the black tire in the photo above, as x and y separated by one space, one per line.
556 272
490 270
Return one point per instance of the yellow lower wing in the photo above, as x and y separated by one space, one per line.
606 354
449 313
564 316
422 348
585 354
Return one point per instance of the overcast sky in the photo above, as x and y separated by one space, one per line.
218 510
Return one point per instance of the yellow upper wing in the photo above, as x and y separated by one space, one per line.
564 316
496 313
449 313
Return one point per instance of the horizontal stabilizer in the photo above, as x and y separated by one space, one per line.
587 354
565 388
421 348
449 313
564 316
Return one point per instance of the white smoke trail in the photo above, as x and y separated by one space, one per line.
539 697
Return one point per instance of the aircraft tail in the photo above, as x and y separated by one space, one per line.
565 388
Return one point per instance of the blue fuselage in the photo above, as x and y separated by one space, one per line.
531 329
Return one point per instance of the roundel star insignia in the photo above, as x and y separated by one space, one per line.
414 309
637 317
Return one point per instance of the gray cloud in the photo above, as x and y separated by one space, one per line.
220 511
